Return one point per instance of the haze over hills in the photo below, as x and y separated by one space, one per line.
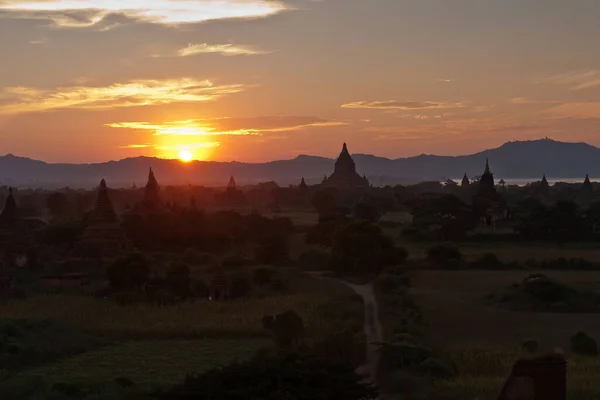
513 160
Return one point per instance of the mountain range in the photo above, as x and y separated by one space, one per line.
512 160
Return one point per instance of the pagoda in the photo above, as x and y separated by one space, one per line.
152 201
344 175
465 181
13 235
231 185
303 184
587 187
488 203
103 232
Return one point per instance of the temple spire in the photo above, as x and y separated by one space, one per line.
152 191
231 184
487 166
303 184
465 180
10 213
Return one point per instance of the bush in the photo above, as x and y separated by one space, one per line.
263 276
346 346
288 377
440 368
582 343
444 256
129 272
530 346
192 256
240 286
233 262
540 293
488 261
272 249
314 260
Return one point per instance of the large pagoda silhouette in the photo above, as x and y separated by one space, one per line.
345 175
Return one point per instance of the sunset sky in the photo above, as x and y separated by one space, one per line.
257 80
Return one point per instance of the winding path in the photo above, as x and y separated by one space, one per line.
372 326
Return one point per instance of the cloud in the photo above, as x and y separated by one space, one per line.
227 126
577 80
224 49
523 100
402 105
128 94
445 80
578 110
88 13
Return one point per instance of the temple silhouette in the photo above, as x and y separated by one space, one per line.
344 175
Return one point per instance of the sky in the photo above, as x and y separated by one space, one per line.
259 80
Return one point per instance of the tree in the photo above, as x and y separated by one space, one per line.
326 202
129 272
283 377
287 330
362 247
447 217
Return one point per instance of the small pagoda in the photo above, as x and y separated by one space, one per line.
152 200
587 187
465 181
303 184
488 203
344 175
14 238
103 232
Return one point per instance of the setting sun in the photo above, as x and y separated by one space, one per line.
185 155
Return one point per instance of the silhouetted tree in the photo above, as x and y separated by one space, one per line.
58 205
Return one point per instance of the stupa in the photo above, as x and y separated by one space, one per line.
344 175
465 181
152 199
103 231
303 184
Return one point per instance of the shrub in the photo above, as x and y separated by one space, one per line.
289 377
129 272
237 261
287 330
488 261
240 286
346 346
263 276
444 256
192 256
440 368
530 346
278 285
582 343
314 260
272 249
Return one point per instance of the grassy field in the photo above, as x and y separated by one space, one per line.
484 340
485 370
188 320
508 252
454 307
148 363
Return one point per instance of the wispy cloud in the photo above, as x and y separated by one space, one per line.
180 128
576 110
227 126
526 101
223 49
577 80
129 94
88 13
445 80
402 105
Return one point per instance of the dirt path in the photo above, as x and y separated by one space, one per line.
372 325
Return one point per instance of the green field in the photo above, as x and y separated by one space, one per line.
148 363
483 372
188 320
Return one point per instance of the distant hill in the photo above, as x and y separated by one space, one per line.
513 160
